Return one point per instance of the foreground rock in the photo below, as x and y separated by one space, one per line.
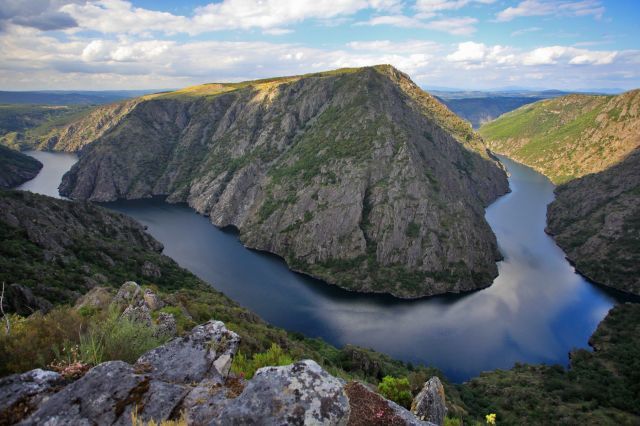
430 403
189 376
355 176
16 168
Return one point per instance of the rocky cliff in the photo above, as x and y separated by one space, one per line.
16 168
570 136
596 221
355 176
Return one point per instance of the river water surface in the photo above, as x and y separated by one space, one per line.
536 311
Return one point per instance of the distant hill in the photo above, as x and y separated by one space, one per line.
481 107
570 136
46 97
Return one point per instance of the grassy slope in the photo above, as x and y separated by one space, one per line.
570 136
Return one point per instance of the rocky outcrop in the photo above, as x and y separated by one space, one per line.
189 377
430 403
21 300
355 176
16 168
596 221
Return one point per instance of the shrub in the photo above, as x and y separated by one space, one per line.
396 389
117 338
245 367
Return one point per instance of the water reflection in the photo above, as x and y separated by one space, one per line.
536 310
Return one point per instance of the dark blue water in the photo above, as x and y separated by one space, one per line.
536 310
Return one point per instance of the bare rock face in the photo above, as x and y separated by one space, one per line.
301 393
430 404
357 177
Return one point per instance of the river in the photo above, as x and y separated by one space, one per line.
536 311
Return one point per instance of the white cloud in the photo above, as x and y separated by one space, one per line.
548 7
553 54
120 16
432 6
454 26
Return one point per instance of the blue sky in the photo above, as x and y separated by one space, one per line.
470 44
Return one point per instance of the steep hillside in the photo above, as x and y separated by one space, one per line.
355 176
16 168
479 111
571 136
596 220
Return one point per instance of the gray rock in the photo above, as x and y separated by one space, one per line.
21 393
108 394
152 300
166 326
430 404
202 354
301 393
150 270
97 297
129 293
140 314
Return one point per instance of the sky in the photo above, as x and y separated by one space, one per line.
465 44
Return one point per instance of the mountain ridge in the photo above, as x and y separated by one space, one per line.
354 176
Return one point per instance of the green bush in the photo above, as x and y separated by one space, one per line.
397 390
245 367
116 338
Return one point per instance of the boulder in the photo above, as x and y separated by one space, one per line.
21 393
370 408
152 300
430 404
166 325
97 297
140 314
129 293
205 353
301 393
